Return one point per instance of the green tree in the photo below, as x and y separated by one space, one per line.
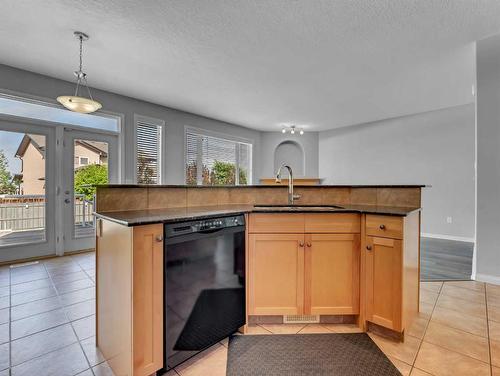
145 173
7 186
87 177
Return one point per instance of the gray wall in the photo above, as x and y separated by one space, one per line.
25 82
308 142
435 148
488 160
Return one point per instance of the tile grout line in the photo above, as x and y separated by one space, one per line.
426 327
71 324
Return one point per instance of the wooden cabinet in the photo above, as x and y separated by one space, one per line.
276 274
332 274
391 259
303 273
148 299
129 263
384 282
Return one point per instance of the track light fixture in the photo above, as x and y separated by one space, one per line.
292 130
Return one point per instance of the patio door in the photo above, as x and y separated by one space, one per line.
88 158
27 190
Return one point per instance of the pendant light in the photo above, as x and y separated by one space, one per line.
74 102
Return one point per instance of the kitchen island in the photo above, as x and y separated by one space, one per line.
339 254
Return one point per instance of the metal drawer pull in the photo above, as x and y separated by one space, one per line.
301 244
382 227
369 247
159 238
308 244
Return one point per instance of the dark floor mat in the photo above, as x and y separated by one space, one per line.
307 355
216 314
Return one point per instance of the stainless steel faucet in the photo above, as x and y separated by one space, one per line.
291 196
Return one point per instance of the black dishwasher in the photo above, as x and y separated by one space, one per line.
204 284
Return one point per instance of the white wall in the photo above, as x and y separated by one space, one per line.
435 148
488 160
25 82
308 142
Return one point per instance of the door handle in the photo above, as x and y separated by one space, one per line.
301 244
308 244
67 200
368 247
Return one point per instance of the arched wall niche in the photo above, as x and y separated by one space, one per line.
291 153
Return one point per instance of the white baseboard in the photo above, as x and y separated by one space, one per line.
493 279
448 237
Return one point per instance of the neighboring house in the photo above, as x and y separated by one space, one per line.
31 151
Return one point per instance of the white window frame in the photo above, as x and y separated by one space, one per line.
236 139
163 137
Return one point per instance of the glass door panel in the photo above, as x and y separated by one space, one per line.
90 159
26 191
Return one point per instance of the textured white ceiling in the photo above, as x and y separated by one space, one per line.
260 63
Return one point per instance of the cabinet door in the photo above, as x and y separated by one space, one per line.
384 282
148 299
276 274
332 274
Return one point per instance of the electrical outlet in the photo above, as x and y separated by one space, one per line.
449 220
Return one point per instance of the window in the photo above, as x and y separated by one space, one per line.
149 150
212 160
84 161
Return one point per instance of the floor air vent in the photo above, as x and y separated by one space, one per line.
300 319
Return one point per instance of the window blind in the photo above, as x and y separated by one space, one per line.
148 146
216 161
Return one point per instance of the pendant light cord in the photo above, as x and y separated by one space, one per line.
80 75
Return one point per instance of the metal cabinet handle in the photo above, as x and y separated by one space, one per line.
382 227
301 244
369 247
159 238
308 244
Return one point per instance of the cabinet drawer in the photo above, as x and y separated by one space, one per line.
384 226
340 223
279 223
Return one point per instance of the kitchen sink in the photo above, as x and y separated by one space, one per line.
297 207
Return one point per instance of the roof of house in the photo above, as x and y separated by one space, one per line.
38 142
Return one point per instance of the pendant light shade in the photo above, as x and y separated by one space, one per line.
79 104
74 102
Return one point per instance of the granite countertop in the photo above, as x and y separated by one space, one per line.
171 215
262 186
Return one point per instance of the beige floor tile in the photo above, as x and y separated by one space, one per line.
403 367
493 290
428 297
495 353
494 330
461 293
471 285
343 328
494 313
257 329
314 328
458 340
213 359
431 286
439 361
405 351
462 321
418 372
493 301
417 327
426 309
283 328
461 305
